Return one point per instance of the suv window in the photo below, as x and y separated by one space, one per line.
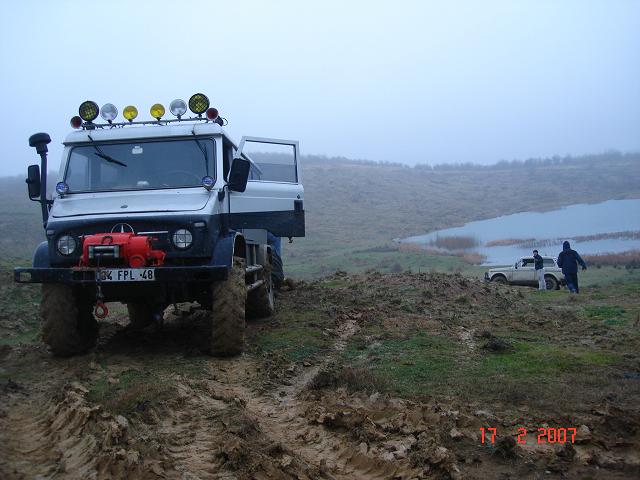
527 262
140 165
548 262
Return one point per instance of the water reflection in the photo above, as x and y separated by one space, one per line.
545 231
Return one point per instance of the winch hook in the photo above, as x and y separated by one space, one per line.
100 310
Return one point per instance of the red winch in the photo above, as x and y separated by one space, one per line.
111 249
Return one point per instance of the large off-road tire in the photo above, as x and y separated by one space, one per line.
551 283
141 314
499 279
277 270
261 302
68 325
227 311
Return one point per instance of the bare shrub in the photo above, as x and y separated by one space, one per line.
411 248
629 259
505 242
455 242
474 258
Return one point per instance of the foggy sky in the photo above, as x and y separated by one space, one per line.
409 81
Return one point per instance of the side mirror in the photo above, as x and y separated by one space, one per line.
239 174
33 181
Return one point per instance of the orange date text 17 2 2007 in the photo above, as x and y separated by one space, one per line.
544 435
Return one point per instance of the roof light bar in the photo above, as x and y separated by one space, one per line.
157 111
88 111
109 112
198 103
76 122
178 108
130 113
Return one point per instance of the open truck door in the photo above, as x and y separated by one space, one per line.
273 198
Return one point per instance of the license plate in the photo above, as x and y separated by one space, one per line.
127 275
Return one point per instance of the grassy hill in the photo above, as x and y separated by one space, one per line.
354 209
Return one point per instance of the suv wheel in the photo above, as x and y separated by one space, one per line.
68 325
499 279
227 312
550 282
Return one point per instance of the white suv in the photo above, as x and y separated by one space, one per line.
523 273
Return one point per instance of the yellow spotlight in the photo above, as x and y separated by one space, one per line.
88 111
130 112
198 103
157 111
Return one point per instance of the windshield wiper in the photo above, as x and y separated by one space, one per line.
203 149
101 154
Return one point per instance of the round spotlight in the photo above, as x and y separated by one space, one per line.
198 103
130 112
157 111
182 238
66 245
212 113
178 107
76 122
207 182
88 111
109 112
62 188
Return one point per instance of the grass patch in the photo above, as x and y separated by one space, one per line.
609 315
540 362
406 366
294 343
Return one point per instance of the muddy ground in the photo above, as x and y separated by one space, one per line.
356 377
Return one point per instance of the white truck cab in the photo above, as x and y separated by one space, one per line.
151 213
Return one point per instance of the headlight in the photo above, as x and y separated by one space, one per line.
66 245
182 238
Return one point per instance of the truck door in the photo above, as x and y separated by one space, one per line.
274 197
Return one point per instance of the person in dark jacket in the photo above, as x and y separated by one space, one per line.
568 261
538 263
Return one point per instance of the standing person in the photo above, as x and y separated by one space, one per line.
568 261
539 265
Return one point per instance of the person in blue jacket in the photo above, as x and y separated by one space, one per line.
568 261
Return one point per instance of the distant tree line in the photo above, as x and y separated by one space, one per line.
556 160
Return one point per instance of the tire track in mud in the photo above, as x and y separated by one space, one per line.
67 438
282 417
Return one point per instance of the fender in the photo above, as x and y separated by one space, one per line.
226 247
41 256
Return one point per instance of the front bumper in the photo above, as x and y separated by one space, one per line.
84 276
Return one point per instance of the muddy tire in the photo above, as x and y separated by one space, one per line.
277 271
68 325
227 311
141 314
261 302
499 279
551 283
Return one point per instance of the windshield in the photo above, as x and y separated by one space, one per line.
140 165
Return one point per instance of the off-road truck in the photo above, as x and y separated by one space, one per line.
153 213
523 273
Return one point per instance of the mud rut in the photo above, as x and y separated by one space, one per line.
222 428
306 450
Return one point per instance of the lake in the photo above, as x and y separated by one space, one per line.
546 231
